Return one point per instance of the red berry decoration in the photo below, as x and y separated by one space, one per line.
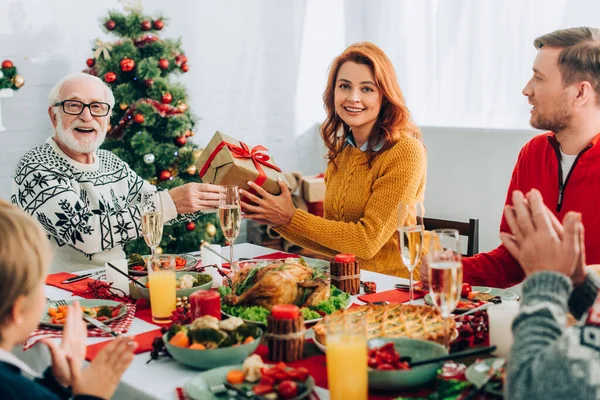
110 77
7 64
166 98
127 64
139 118
90 62
158 24
190 226
110 24
148 82
163 63
165 175
180 141
185 67
146 25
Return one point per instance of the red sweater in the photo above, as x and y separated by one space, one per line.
538 167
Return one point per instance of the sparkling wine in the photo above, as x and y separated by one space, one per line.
445 281
231 219
410 243
152 228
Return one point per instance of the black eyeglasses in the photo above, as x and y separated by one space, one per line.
76 107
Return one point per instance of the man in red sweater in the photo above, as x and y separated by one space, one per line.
564 163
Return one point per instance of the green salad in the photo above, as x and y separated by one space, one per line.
337 300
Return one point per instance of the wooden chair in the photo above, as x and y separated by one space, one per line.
469 229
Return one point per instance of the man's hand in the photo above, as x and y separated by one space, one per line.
538 242
193 197
102 376
269 209
72 346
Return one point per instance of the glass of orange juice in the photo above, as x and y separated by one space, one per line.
161 279
347 357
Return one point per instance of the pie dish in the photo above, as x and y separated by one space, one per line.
392 320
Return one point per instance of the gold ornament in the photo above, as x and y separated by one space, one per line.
182 107
153 181
123 106
102 48
18 81
192 170
197 153
132 6
158 250
211 230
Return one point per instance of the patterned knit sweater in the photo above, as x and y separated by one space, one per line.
549 360
360 206
88 210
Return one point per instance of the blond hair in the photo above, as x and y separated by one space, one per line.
24 256
580 58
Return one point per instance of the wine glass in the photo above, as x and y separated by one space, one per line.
230 216
410 238
152 220
445 272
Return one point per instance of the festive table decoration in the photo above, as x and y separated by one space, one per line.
10 82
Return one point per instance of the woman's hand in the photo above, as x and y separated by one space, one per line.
71 348
269 209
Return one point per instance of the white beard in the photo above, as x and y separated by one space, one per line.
77 142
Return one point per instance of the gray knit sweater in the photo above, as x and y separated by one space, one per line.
549 360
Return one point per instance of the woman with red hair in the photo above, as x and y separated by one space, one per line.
376 160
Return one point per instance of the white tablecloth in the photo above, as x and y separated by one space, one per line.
159 379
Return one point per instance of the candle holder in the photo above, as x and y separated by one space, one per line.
345 273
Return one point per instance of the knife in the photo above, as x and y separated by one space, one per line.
80 277
99 325
496 365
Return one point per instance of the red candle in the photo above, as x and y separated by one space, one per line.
345 258
205 302
285 311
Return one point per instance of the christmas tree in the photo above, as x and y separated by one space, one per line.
151 124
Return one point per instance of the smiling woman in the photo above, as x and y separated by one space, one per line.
376 161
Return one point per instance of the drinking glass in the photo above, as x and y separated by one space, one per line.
152 220
346 356
410 238
230 217
445 272
161 279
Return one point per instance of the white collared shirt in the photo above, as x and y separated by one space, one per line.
10 358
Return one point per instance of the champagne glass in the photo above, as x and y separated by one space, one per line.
230 217
152 220
410 238
445 272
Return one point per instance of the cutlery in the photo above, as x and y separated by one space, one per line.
453 356
131 278
81 277
496 365
215 252
474 310
103 327
405 288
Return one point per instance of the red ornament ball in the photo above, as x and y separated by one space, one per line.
180 141
139 118
7 64
110 24
146 25
148 82
158 24
90 62
180 59
110 77
165 175
163 63
190 226
166 98
127 64
185 67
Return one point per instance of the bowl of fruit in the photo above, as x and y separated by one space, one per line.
388 361
186 283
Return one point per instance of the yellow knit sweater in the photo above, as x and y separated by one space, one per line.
360 207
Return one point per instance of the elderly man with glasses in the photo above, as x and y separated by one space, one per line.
86 199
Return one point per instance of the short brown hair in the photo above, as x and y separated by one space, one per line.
580 58
24 256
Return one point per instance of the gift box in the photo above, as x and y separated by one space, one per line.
313 188
227 161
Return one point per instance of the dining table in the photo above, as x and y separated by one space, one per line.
160 378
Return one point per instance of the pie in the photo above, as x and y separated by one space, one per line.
392 320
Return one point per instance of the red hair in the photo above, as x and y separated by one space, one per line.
393 120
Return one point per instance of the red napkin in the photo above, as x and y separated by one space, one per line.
393 296
76 287
276 256
144 341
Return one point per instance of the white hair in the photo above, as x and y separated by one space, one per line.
53 97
